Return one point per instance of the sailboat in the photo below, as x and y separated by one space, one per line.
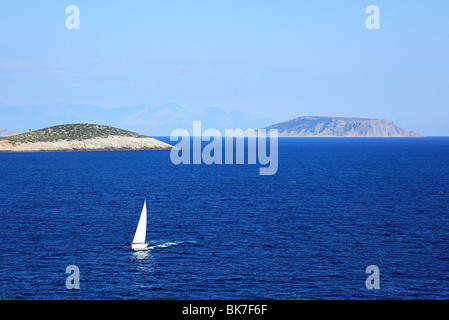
141 231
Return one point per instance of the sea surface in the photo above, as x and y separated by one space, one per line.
334 207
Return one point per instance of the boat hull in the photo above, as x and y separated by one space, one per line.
139 246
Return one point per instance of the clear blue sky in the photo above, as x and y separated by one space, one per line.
277 59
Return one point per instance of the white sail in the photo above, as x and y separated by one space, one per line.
141 230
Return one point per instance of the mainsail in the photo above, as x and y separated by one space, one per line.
141 230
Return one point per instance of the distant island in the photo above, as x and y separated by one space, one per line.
317 126
80 137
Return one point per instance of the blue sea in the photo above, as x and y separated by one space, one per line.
334 207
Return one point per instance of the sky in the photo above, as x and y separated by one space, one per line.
268 61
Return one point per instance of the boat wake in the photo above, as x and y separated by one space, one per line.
168 244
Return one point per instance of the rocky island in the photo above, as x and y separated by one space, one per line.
317 126
80 137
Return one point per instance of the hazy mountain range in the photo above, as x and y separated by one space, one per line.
161 120
6 133
145 119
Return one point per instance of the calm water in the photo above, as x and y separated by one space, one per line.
334 207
